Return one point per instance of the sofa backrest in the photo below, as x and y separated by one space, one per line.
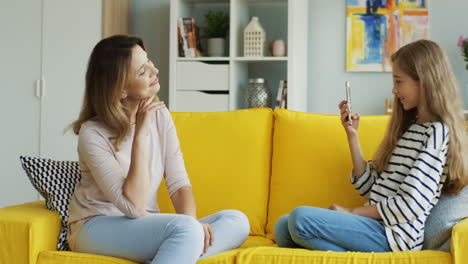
228 160
311 162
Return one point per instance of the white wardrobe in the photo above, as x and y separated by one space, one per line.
44 51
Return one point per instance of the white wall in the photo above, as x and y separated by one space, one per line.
49 39
19 68
327 51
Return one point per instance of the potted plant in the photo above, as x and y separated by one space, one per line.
216 28
463 45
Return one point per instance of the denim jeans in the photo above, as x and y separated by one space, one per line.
322 229
161 238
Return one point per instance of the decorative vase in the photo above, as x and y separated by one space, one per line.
278 48
254 39
215 47
258 95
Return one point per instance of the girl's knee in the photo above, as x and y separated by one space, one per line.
301 213
302 210
281 231
298 220
282 224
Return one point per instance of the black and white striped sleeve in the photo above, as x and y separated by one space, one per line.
415 196
365 182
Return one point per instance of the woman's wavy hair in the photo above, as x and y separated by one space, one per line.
106 78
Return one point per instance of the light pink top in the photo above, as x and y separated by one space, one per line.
103 171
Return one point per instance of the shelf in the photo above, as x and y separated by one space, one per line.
227 1
247 59
203 59
260 59
281 19
207 1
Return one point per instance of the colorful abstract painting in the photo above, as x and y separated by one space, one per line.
378 28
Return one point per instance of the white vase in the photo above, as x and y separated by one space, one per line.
215 47
254 39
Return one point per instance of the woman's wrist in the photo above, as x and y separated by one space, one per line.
139 136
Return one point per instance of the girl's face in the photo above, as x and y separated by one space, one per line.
405 88
142 79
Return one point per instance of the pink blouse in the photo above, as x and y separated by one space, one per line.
103 171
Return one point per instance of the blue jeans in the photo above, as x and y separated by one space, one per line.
161 238
322 229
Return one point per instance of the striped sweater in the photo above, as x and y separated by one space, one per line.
411 185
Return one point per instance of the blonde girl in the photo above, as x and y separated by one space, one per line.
424 153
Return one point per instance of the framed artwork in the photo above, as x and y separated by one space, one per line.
375 29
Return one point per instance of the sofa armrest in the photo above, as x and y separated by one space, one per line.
460 242
25 231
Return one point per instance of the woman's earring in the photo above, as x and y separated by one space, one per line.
124 95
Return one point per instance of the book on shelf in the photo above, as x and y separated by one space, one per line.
188 38
182 41
282 96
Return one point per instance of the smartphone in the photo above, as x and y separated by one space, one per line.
348 97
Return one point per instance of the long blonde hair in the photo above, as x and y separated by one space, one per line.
426 62
106 78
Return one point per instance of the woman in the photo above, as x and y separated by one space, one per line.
127 143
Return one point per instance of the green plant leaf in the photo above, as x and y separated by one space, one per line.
216 24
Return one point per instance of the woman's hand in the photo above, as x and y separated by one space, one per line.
209 236
145 115
339 208
350 126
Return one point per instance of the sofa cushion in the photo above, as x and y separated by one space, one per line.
55 181
273 255
258 241
228 160
311 161
61 257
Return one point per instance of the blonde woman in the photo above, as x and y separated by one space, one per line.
127 144
423 153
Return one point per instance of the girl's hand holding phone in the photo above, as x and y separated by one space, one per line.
350 125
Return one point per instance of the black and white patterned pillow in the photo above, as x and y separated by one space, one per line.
55 181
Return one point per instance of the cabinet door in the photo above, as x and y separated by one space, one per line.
71 30
20 50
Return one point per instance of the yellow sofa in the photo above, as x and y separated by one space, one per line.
261 162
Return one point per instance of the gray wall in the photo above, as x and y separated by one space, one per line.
327 40
327 51
150 21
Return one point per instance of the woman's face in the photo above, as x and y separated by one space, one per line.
142 79
405 89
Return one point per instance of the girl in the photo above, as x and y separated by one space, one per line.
424 152
127 143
